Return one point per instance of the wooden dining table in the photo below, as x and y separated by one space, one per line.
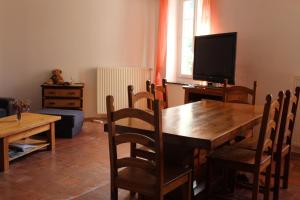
205 124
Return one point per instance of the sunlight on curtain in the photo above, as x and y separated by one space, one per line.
161 41
172 37
204 17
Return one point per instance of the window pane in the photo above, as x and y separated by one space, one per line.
187 37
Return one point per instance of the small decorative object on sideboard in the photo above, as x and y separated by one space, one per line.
21 106
57 78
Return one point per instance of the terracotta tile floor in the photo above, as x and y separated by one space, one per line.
79 169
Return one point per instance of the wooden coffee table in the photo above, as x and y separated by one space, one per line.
31 124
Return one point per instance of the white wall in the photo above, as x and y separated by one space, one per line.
175 95
77 36
268 43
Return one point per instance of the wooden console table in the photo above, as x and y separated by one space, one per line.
12 130
192 93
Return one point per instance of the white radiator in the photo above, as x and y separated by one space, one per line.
114 81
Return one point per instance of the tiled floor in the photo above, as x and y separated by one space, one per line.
79 169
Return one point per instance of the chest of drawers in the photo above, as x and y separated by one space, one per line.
63 96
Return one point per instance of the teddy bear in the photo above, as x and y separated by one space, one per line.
56 77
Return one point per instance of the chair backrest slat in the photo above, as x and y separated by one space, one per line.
269 126
133 98
145 154
135 138
240 94
135 162
295 102
288 118
133 113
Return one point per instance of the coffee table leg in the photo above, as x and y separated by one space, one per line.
4 160
51 137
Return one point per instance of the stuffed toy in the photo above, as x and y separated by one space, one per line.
56 78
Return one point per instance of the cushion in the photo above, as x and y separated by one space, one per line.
70 123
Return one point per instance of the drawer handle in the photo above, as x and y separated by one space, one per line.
52 92
71 104
51 103
71 93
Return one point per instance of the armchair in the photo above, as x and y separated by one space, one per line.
6 107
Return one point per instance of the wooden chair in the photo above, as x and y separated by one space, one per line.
251 161
282 152
283 149
149 89
149 95
149 178
240 94
133 98
160 91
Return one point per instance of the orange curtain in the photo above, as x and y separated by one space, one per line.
205 17
161 41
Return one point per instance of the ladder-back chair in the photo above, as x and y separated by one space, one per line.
149 178
240 94
246 160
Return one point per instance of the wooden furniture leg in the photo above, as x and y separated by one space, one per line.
286 171
51 137
255 187
267 182
4 160
277 178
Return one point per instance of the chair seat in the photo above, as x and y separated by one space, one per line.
146 181
251 144
239 157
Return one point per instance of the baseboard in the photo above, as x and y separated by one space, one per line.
99 119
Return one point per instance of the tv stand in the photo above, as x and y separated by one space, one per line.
197 93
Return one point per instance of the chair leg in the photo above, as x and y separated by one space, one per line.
277 179
267 182
187 188
161 197
255 187
132 195
232 180
140 197
208 185
286 171
114 193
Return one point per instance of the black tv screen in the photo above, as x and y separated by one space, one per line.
214 57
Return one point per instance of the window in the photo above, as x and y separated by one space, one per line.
186 19
187 35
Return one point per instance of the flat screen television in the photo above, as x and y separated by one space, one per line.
214 57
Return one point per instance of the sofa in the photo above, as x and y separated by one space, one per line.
6 107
